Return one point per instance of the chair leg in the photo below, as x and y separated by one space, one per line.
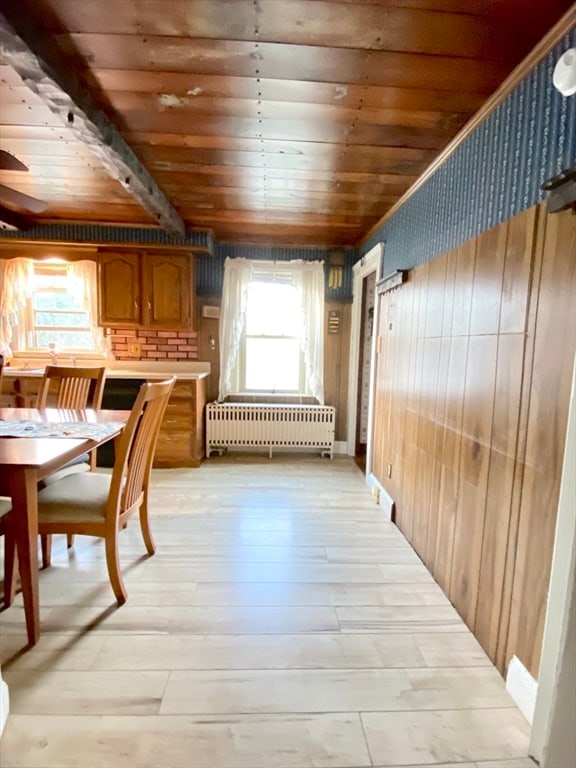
69 540
46 544
113 563
10 569
145 528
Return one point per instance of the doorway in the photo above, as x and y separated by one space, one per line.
364 368
360 383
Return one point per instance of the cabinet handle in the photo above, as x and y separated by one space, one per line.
149 305
136 306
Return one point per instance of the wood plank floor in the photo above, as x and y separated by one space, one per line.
283 623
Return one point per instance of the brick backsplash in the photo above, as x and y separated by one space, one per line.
154 345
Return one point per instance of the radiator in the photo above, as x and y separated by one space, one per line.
261 425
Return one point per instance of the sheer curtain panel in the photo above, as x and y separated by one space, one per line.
308 278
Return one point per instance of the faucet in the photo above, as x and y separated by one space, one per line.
53 353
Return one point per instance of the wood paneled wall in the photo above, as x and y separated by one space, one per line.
336 355
336 361
473 382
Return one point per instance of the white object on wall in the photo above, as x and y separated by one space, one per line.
522 687
564 77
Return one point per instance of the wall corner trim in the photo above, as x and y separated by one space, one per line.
522 687
4 703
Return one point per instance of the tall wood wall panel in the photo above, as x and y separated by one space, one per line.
554 343
472 388
336 354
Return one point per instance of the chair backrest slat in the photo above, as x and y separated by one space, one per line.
135 450
74 386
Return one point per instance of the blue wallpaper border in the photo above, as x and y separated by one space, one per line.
494 175
210 272
107 233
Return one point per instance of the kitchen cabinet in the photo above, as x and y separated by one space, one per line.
166 282
119 289
152 290
181 438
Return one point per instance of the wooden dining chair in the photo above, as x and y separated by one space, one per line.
5 508
74 388
70 387
97 504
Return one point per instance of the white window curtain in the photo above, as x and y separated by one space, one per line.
16 287
237 277
85 276
16 280
308 277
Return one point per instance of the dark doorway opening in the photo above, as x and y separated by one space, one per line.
364 368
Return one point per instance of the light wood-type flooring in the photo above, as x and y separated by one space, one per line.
283 623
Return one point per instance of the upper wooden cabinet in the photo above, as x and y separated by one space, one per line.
153 290
166 285
119 288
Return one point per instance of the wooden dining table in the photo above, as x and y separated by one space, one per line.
26 460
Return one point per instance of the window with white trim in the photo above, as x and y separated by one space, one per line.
50 306
59 318
271 328
271 346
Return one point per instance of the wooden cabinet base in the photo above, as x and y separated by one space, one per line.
181 438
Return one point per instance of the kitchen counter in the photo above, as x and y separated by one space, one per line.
139 369
181 438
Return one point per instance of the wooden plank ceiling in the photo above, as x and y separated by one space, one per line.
276 121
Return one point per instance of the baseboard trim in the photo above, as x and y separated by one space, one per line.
4 704
383 498
522 687
340 449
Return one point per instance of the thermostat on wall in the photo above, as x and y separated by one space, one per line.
212 312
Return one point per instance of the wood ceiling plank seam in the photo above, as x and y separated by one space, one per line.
311 63
44 70
178 83
199 107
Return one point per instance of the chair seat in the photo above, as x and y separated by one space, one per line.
77 498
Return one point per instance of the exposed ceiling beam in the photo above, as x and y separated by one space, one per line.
44 70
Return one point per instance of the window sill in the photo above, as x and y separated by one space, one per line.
35 359
270 397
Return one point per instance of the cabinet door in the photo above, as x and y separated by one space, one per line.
119 288
168 290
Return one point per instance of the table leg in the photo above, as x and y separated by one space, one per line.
24 493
